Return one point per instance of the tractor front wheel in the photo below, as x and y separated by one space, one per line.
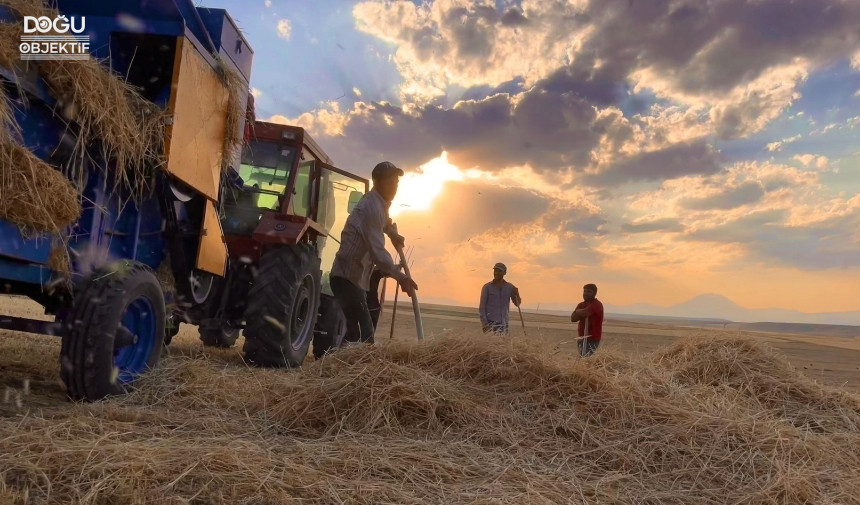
114 332
282 307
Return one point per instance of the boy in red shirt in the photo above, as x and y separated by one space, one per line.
589 313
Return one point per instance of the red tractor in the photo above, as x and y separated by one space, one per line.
281 214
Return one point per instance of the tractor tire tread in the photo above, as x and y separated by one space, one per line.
88 323
272 293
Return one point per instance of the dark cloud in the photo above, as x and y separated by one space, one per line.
426 42
714 46
603 86
743 194
667 224
702 48
549 130
830 244
679 160
473 39
514 17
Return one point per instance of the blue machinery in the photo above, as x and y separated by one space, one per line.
113 321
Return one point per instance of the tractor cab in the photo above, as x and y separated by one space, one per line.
287 191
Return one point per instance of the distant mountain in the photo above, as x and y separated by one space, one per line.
713 306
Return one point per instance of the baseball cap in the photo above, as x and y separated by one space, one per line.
385 169
500 266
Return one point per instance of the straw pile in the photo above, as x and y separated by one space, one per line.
33 194
454 420
233 138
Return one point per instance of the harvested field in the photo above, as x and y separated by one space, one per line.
711 418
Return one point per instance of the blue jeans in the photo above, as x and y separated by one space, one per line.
353 302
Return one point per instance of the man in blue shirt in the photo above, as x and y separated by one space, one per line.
496 296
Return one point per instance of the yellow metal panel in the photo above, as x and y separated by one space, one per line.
212 253
198 104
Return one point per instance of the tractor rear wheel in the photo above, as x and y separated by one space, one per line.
114 331
332 329
282 307
224 336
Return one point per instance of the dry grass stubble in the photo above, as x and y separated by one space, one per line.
460 419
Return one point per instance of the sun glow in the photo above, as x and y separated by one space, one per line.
417 190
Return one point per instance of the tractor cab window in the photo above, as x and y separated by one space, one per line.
302 193
301 204
265 170
334 207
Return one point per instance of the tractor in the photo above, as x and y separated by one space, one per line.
216 220
281 213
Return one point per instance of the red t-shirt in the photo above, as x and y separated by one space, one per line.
595 319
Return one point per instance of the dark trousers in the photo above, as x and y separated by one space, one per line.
496 328
587 347
353 302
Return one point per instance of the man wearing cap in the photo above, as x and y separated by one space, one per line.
496 296
362 246
589 314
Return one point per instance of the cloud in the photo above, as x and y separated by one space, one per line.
743 59
833 243
777 146
765 214
743 194
513 17
666 224
284 29
672 162
256 92
847 124
547 130
819 162
453 41
268 3
550 88
326 120
466 209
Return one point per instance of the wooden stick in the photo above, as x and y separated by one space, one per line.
521 320
394 310
418 324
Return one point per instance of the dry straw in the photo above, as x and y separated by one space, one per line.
110 119
463 419
33 194
234 85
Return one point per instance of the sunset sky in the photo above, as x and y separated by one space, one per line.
660 149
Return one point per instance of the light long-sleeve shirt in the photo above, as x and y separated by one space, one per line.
495 303
362 243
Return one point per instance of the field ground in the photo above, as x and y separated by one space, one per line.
470 419
33 359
